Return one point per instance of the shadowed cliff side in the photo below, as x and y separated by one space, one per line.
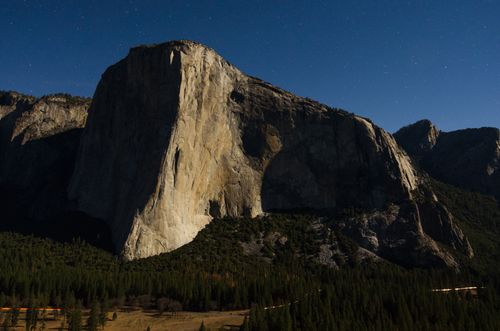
39 139
38 143
468 158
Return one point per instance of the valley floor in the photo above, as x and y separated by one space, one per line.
140 320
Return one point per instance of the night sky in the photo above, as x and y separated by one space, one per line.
392 61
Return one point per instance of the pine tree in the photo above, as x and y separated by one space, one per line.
103 314
14 316
31 319
75 321
6 322
245 326
93 320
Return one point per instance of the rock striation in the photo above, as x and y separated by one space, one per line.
39 138
177 136
468 158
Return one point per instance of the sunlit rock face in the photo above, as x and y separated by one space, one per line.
39 138
468 158
177 136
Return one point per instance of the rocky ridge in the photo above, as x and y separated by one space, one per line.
418 138
38 142
468 158
177 136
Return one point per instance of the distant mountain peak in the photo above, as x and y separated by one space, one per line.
418 138
469 158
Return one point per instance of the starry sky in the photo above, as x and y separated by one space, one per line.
392 61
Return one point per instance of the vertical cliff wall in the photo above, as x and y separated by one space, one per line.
176 136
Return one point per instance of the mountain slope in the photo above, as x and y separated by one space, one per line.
38 142
479 217
177 136
468 158
223 268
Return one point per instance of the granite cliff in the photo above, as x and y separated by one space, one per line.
177 136
468 158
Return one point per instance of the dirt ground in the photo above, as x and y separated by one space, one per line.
139 320
182 321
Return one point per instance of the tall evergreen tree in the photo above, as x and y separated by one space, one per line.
75 320
93 319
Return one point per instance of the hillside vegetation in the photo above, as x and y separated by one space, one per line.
268 261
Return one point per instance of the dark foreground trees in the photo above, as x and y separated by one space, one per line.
284 288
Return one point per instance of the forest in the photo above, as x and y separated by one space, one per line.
282 284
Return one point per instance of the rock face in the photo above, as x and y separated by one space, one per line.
418 139
38 143
176 136
467 158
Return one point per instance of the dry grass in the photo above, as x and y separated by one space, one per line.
140 319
